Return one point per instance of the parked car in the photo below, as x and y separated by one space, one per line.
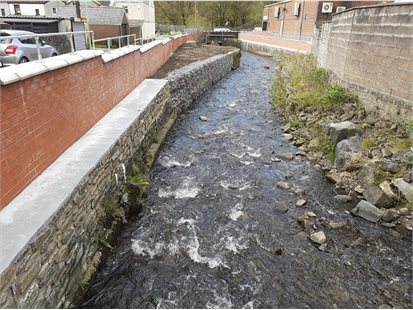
20 50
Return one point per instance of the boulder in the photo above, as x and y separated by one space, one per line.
389 166
341 131
366 175
406 189
376 196
367 211
345 151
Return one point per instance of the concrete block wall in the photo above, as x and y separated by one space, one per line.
43 115
371 50
45 270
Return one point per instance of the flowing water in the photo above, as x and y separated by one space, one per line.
211 234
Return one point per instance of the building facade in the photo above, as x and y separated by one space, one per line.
141 16
297 19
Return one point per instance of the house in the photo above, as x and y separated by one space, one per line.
141 16
104 21
297 19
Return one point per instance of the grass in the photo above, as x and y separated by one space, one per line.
139 179
299 85
295 123
113 209
367 144
380 176
403 143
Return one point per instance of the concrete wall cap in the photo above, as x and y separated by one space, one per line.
20 72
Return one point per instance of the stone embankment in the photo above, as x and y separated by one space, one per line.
85 186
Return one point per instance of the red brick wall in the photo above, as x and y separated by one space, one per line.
42 116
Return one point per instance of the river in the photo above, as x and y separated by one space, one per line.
213 233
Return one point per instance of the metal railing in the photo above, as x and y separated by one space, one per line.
91 40
119 38
43 35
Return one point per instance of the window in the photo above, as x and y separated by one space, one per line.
28 41
17 10
3 12
54 11
37 12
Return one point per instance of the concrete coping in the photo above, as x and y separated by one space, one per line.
275 46
24 71
25 216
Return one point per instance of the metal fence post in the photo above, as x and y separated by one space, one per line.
93 40
72 47
39 55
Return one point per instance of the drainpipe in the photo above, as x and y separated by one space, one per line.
77 5
301 18
282 21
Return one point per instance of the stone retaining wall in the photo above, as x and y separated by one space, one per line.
47 269
370 49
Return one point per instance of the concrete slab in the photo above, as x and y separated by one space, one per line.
32 209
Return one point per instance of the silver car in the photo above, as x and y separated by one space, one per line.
20 50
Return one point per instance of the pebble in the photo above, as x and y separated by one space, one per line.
336 225
275 159
386 152
358 189
385 306
287 155
203 118
388 216
283 185
301 203
311 214
299 191
347 263
300 153
318 237
404 211
287 137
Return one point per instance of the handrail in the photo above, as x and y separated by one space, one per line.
37 36
117 37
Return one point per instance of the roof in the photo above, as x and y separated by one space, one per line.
95 15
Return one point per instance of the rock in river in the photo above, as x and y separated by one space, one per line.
367 211
318 237
287 155
343 198
301 203
283 185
